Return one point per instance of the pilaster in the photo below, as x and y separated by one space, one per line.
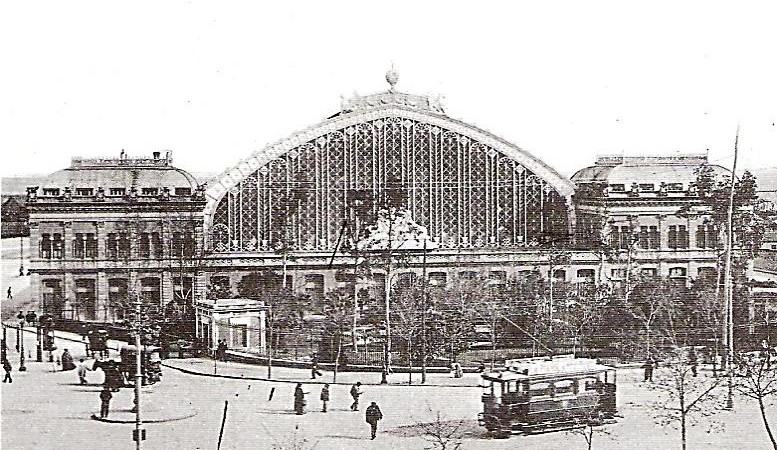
35 289
166 284
101 235
68 291
67 235
102 310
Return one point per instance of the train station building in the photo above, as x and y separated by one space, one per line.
472 205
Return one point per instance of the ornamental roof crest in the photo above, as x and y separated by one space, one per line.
392 97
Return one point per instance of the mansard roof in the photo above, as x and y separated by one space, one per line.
627 170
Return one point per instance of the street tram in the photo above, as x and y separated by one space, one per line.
537 395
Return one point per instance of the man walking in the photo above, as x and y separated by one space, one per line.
324 396
105 402
373 415
314 370
7 367
82 368
355 393
10 295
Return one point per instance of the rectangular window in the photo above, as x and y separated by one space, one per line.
84 192
438 279
586 274
467 275
644 238
701 236
58 247
91 245
144 245
149 191
183 192
124 246
654 237
672 236
51 192
112 246
648 272
618 187
674 187
116 192
626 237
677 272
498 276
682 236
45 246
79 246
647 187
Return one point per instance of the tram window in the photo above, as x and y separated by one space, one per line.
512 387
564 387
588 384
540 390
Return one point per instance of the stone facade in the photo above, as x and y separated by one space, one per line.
107 228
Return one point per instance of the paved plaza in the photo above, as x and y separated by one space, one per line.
44 408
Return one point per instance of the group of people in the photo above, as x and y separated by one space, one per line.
221 350
373 413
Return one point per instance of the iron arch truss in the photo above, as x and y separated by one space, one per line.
469 188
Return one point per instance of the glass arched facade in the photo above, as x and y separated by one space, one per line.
467 194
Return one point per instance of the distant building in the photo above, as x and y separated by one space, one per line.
478 205
107 228
630 205
14 217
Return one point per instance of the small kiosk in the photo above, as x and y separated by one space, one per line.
239 321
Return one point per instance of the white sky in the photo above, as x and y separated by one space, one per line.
214 81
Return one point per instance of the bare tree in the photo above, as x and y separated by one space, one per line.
337 309
757 381
589 427
442 434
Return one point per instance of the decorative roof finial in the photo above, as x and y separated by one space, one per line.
392 77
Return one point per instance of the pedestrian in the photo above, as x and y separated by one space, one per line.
355 393
10 295
324 396
82 368
314 370
693 361
222 350
648 366
373 415
67 361
7 367
299 400
105 402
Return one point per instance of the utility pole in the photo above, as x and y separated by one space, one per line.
139 433
728 282
423 319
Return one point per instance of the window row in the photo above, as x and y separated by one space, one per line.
117 246
116 192
649 237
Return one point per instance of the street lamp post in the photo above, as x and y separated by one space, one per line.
21 256
21 342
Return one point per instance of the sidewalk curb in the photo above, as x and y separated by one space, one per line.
145 421
235 377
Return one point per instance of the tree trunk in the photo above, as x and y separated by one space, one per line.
337 358
410 360
766 423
